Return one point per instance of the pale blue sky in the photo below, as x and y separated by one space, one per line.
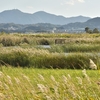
67 8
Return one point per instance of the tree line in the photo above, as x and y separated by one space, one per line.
88 30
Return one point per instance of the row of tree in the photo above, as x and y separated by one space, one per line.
88 30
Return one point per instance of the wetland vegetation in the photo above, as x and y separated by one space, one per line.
60 71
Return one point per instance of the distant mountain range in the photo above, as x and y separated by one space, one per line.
17 21
18 17
91 23
47 27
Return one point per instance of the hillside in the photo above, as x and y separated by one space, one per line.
18 17
91 23
47 27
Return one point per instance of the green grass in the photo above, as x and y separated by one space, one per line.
39 58
75 48
48 84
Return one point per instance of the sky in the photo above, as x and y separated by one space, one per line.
66 8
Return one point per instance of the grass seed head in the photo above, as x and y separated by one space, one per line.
41 77
42 88
17 80
92 65
79 80
1 74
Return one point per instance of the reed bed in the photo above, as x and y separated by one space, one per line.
16 39
75 48
24 50
39 58
31 72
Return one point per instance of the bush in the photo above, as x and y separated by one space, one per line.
10 42
43 42
25 40
7 42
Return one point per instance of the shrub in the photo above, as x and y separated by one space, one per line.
25 40
7 41
43 42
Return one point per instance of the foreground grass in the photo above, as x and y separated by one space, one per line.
48 84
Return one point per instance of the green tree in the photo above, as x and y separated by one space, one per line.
90 31
87 29
95 30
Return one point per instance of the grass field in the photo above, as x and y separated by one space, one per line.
26 50
30 72
49 84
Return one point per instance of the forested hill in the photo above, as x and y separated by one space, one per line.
18 17
91 23
17 21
